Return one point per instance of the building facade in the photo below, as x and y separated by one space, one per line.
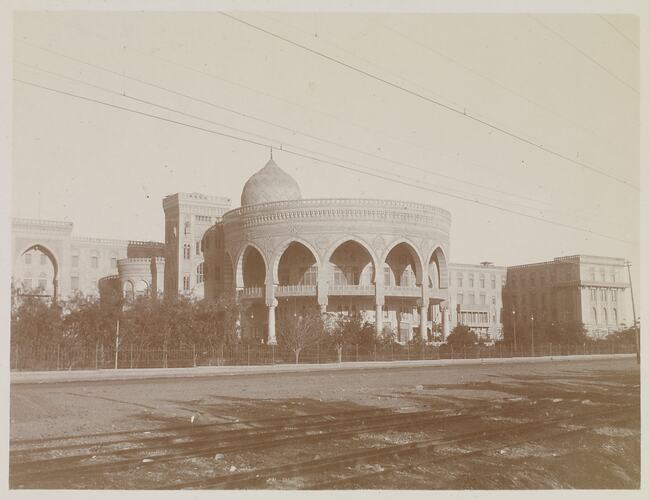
580 288
48 261
475 298
281 254
187 217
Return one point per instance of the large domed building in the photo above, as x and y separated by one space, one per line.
282 254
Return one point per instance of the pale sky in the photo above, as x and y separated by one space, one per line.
567 82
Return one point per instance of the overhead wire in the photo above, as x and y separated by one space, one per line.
283 127
583 53
277 141
279 144
320 160
440 104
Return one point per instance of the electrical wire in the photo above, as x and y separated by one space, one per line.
320 160
435 102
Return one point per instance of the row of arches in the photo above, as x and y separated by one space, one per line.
351 262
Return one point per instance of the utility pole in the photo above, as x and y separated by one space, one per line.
532 335
514 328
636 328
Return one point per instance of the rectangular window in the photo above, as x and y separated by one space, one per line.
42 284
28 258
460 281
613 276
482 282
613 293
74 282
186 251
94 261
27 283
602 275
471 281
471 299
75 261
186 282
483 299
592 274
459 299
493 282
603 294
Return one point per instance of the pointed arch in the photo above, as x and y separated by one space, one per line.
412 251
438 269
44 249
333 259
280 254
255 274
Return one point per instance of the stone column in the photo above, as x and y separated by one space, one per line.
445 322
271 338
423 322
379 319
379 300
271 303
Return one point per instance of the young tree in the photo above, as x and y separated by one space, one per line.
461 335
298 332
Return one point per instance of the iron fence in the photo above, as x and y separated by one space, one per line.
62 357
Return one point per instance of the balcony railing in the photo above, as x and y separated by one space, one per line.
403 291
351 289
295 290
251 292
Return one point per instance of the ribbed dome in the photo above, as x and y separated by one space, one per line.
269 184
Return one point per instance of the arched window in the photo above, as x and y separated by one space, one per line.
187 249
594 315
615 316
199 273
604 316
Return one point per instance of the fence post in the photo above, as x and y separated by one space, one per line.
317 353
131 354
96 365
375 352
451 355
248 354
357 352
408 351
273 354
58 355
392 356
464 352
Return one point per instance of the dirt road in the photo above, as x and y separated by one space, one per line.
511 426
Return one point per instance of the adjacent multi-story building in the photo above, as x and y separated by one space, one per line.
48 261
475 298
187 217
279 254
580 288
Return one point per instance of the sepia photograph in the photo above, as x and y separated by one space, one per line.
273 246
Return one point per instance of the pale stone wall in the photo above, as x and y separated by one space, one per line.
187 218
588 289
476 290
263 233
